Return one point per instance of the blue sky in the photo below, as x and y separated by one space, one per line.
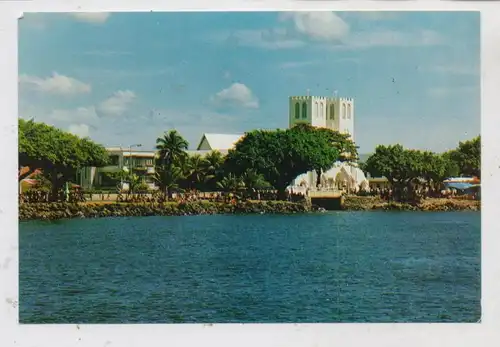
125 78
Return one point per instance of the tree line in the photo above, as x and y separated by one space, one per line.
261 159
409 169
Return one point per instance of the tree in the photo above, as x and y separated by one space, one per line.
329 145
253 180
282 155
171 153
400 166
171 148
213 163
468 157
168 179
56 153
231 183
195 171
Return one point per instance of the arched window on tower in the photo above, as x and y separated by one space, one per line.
297 110
304 110
321 110
316 109
343 111
332 112
349 111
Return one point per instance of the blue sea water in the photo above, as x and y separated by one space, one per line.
331 267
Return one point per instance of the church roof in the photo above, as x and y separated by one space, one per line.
220 141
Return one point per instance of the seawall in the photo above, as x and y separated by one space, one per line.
364 203
53 211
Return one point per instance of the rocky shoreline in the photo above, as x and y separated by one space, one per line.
366 203
54 211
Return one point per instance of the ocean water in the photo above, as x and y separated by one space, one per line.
331 267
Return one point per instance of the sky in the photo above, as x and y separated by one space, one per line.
126 78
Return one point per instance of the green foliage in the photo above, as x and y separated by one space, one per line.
468 157
195 171
405 168
172 158
171 148
282 155
57 153
397 164
213 167
253 180
231 183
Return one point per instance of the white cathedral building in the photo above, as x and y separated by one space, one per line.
333 113
329 112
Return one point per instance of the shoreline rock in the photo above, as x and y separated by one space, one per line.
367 203
54 211
62 210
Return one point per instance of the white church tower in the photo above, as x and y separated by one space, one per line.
333 113
327 112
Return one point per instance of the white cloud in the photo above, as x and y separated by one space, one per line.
56 84
117 104
237 94
81 130
328 30
80 114
321 25
91 17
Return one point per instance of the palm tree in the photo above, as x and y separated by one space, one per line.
171 152
171 148
214 161
252 180
168 178
213 168
195 171
231 183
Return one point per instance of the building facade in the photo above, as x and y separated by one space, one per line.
337 114
141 163
332 113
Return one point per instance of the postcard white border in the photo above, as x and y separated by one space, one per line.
484 334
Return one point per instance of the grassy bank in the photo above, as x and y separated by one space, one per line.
364 203
53 211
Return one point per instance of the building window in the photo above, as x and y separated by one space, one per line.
297 110
349 111
332 112
322 110
343 111
304 110
316 111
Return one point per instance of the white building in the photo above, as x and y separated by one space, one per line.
332 113
142 163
